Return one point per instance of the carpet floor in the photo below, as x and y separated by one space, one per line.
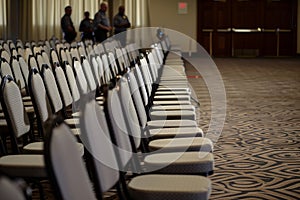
257 155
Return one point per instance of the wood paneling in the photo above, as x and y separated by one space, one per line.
215 17
248 27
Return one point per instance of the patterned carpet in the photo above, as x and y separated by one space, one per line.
258 153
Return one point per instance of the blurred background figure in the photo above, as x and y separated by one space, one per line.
86 27
67 25
121 23
101 23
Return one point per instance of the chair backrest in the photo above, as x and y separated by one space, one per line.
106 69
119 126
159 54
24 68
121 59
52 89
54 57
144 72
46 58
36 50
13 107
74 53
153 66
87 69
39 97
80 77
58 46
40 61
19 78
63 55
11 44
65 167
72 83
6 47
21 51
5 69
33 62
28 52
81 51
140 85
96 138
19 43
95 70
130 112
126 57
63 86
14 52
5 55
10 190
113 64
69 58
100 69
101 48
138 102
147 71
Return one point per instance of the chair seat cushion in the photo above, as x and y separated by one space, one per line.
173 107
34 148
176 132
171 123
1 115
76 114
172 97
72 121
181 144
184 92
28 103
75 131
29 110
38 148
171 102
26 98
180 163
23 166
173 114
165 187
174 88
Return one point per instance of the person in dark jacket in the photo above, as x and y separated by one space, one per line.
86 27
101 24
121 23
67 25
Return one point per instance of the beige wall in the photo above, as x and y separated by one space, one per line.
164 13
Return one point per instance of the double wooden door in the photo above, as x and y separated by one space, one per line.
248 27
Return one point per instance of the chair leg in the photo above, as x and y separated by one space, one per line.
122 188
35 182
41 190
3 148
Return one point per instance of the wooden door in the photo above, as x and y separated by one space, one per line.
247 23
280 27
214 28
248 27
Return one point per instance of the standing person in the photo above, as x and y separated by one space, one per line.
86 27
101 24
121 23
67 25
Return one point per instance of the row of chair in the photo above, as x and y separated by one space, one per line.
148 109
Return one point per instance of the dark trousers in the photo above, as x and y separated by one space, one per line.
70 36
100 35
